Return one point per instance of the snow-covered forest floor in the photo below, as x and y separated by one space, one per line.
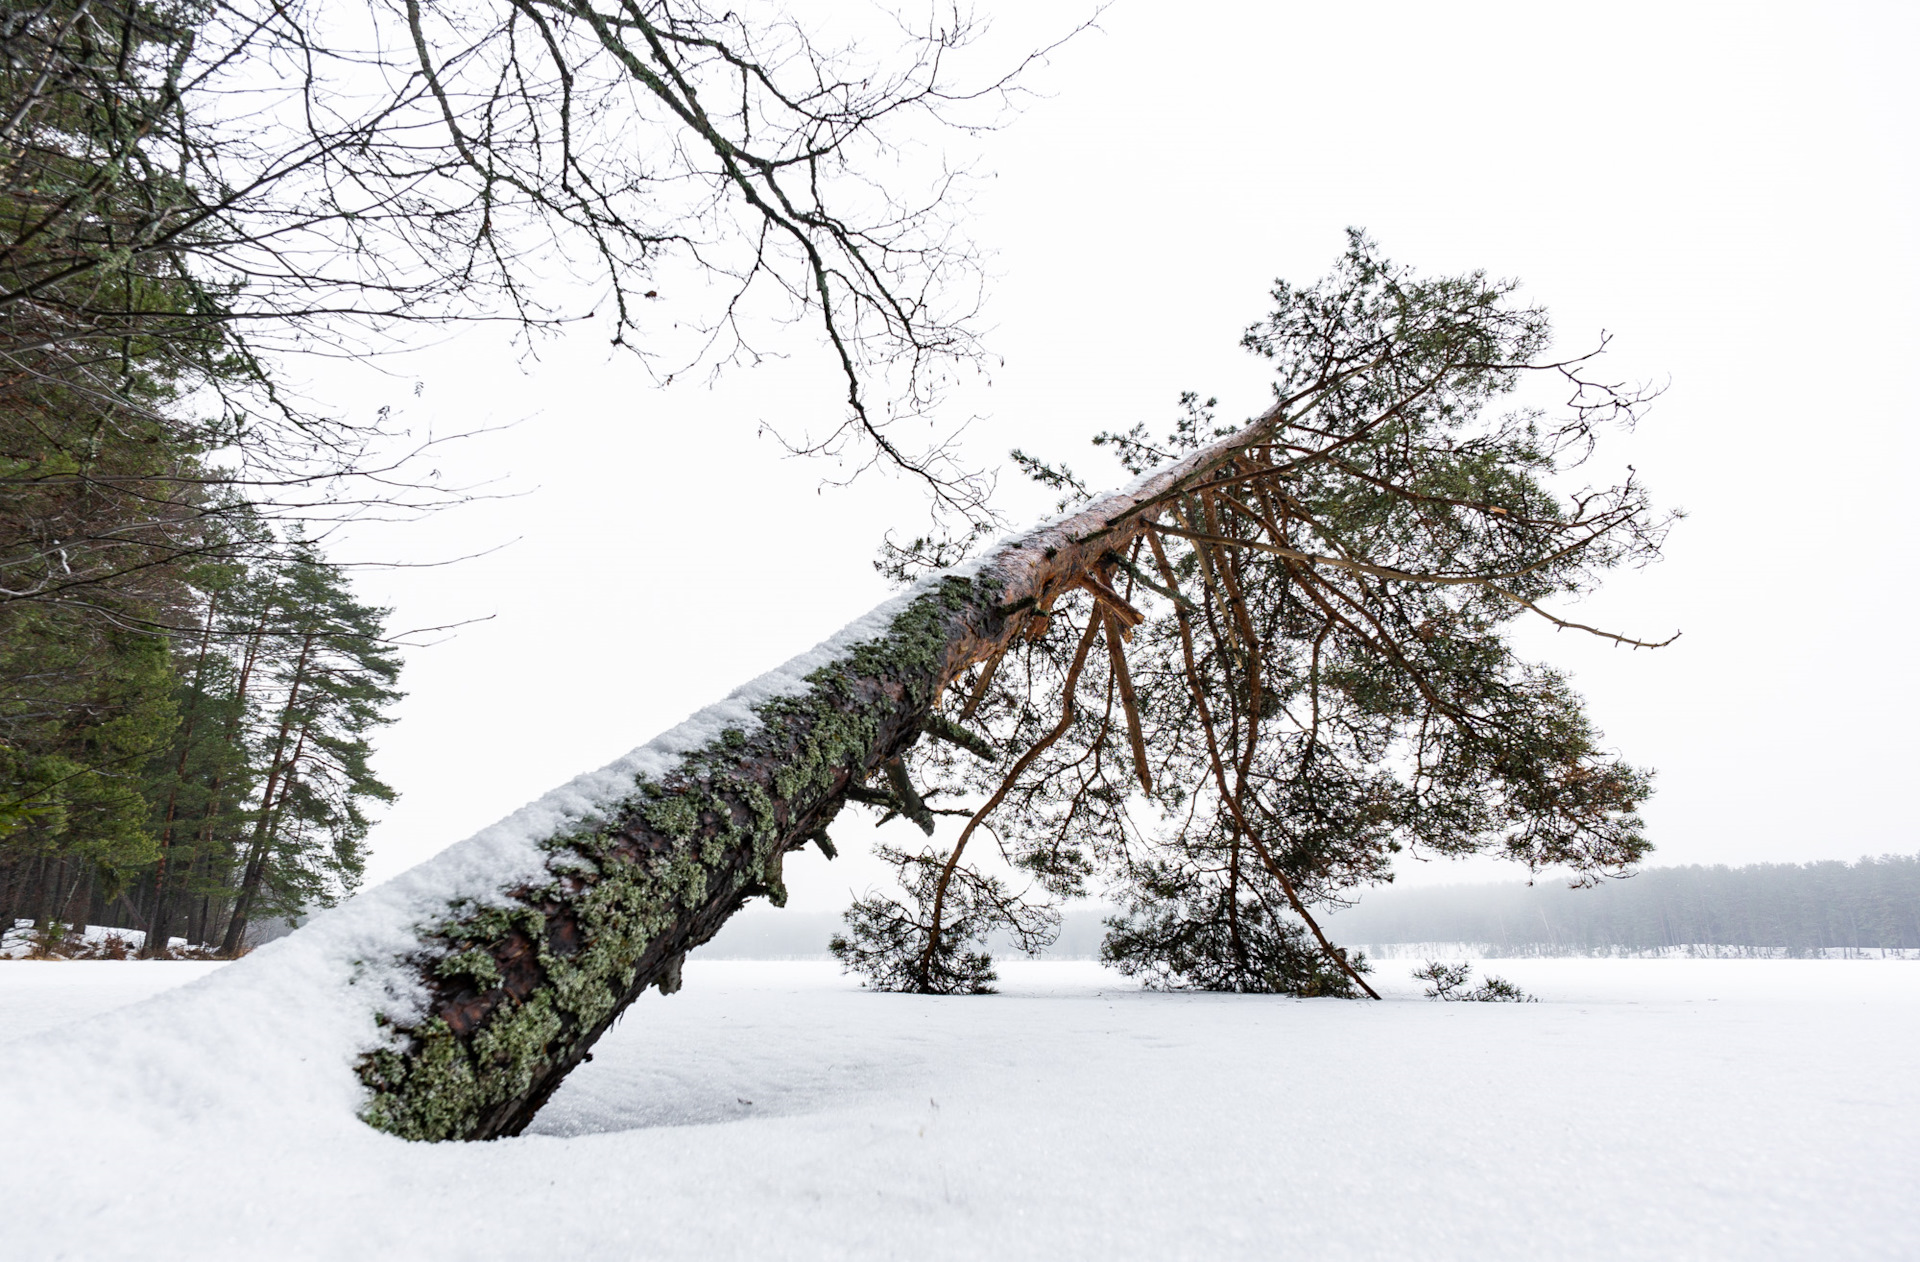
1643 1109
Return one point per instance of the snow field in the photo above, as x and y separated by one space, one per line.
38 996
1739 1109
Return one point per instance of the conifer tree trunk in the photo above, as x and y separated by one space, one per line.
200 911
48 894
279 776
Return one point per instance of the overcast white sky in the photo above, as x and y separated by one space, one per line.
1731 189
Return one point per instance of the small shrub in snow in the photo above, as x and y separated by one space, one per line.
1448 982
887 941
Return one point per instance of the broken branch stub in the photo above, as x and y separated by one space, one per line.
940 727
906 795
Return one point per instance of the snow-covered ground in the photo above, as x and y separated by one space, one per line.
1737 1109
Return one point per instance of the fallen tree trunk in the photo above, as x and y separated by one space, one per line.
510 987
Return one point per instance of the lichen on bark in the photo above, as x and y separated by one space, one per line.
519 990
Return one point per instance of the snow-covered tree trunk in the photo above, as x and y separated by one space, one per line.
1401 526
598 892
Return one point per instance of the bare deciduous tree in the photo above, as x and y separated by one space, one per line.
193 190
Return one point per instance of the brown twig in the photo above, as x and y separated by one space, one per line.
1117 655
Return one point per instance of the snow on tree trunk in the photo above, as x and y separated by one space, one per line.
604 888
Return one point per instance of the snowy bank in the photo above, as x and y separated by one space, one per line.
1656 1109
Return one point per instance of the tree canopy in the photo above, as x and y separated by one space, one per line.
1301 666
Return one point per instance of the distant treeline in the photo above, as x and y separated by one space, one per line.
1765 908
1773 907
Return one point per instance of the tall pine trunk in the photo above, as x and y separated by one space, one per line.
279 772
201 915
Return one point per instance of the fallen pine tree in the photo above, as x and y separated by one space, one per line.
1315 599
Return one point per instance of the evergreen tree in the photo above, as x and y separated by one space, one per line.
205 782
86 707
104 507
200 783
329 674
1306 666
884 940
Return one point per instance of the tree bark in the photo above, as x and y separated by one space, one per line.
520 991
277 772
155 946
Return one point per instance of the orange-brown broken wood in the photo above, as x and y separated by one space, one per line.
1113 602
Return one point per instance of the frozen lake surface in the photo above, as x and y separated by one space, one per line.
1737 1109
